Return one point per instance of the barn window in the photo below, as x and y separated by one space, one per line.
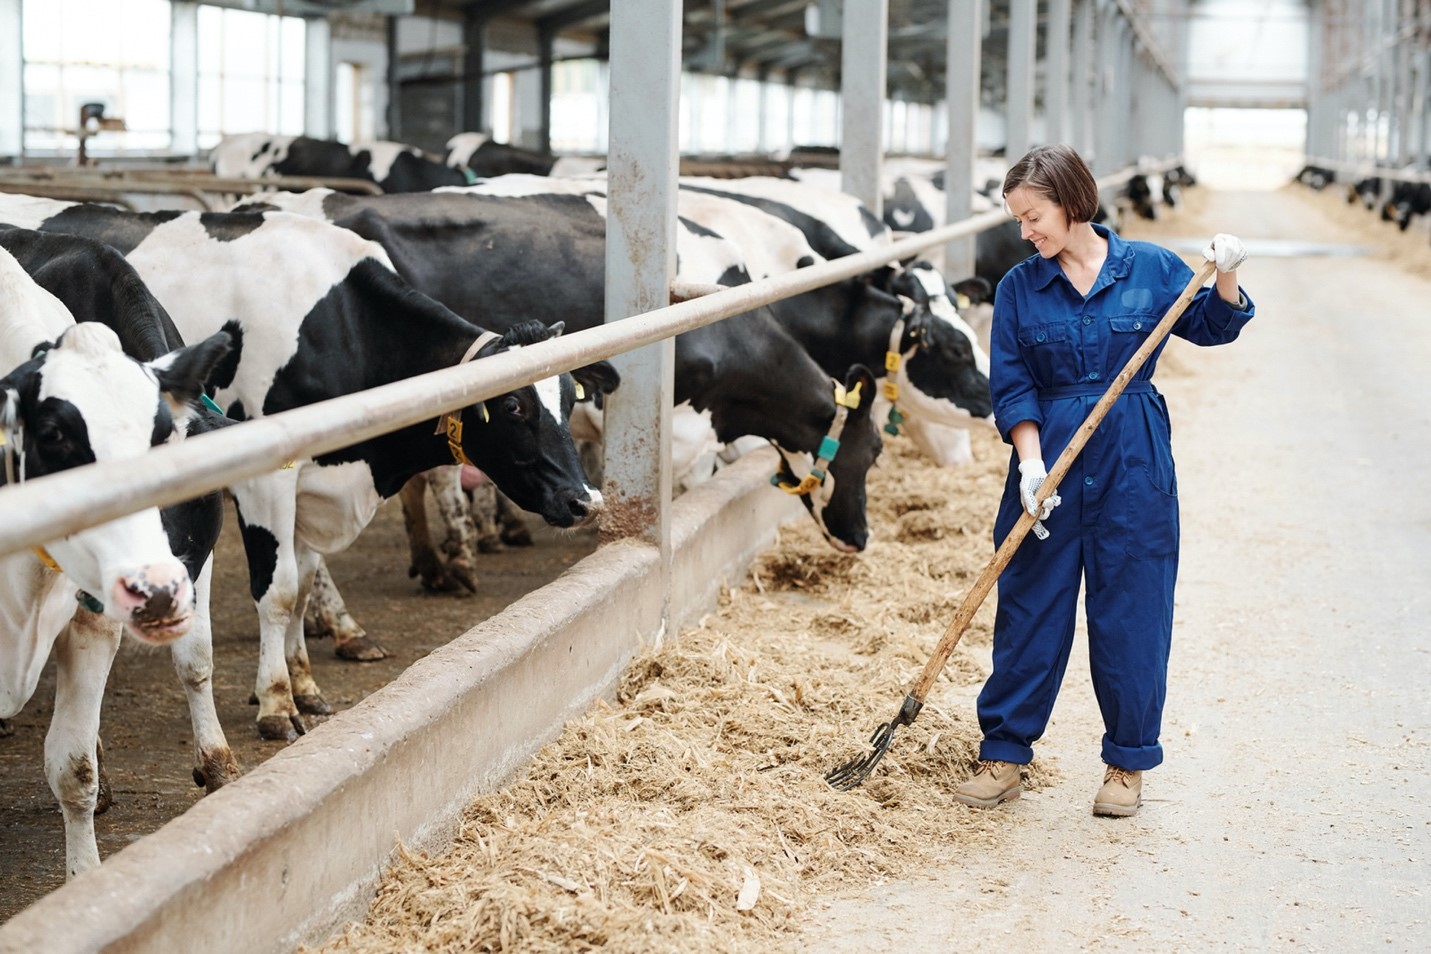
250 73
96 51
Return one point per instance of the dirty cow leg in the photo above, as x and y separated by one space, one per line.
327 615
84 652
214 762
459 543
295 650
484 519
514 526
422 558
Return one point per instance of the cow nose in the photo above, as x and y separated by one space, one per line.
584 508
157 599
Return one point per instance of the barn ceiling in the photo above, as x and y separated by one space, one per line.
778 36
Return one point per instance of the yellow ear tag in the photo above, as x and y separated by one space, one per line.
962 302
891 361
580 391
851 398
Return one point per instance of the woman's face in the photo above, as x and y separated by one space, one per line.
1041 221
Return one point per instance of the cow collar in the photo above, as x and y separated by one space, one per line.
845 401
894 363
14 451
450 424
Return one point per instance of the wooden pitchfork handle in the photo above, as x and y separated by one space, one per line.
975 597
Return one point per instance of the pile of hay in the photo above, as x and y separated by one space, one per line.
692 814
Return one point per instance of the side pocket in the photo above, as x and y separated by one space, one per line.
1151 513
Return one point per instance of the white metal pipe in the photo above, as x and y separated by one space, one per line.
1021 47
961 99
51 507
1055 97
862 85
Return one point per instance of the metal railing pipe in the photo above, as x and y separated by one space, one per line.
45 509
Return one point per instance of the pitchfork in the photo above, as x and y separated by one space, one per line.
855 771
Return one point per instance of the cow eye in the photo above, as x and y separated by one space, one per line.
49 433
512 405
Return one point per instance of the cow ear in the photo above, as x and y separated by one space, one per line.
977 290
557 328
860 377
41 348
597 380
182 374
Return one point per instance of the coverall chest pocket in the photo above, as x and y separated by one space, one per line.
1048 351
1128 334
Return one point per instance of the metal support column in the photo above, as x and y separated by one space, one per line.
1055 57
12 80
640 263
318 78
1106 119
964 51
862 84
393 81
1080 95
184 77
1022 37
546 45
474 86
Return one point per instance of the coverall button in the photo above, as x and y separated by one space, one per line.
1093 375
1039 336
1088 319
1137 326
1088 481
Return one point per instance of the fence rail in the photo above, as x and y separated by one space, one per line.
54 506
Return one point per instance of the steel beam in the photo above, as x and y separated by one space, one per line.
1022 37
862 83
961 99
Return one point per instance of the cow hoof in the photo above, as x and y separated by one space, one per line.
312 704
253 698
280 728
361 649
6 729
490 543
517 536
462 571
215 771
438 582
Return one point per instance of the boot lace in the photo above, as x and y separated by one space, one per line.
1116 774
987 766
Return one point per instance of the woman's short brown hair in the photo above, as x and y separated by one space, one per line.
1059 174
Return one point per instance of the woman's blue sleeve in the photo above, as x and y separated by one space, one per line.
1015 395
1208 319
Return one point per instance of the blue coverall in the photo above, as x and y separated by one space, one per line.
1053 353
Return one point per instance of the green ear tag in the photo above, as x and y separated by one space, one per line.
208 402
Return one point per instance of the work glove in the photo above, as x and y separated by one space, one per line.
1225 250
1031 477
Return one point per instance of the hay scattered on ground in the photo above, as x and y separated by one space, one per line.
691 813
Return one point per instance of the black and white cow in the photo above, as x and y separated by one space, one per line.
81 400
487 157
1316 177
1367 190
95 283
315 312
1408 199
394 166
543 256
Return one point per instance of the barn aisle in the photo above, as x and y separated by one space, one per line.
1294 807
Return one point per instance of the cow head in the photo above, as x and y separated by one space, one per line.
522 439
838 501
944 374
84 401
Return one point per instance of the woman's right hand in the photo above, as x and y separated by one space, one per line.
1031 477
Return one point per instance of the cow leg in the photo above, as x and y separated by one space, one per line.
459 544
6 729
483 500
295 649
84 651
266 522
514 525
423 561
327 615
214 762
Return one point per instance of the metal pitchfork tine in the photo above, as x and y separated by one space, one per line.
850 774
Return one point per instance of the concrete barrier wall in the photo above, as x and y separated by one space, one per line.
294 849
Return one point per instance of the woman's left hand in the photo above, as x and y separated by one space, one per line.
1227 251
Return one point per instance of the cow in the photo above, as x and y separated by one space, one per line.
1408 199
467 250
488 158
95 283
316 312
394 166
1367 190
80 400
1316 177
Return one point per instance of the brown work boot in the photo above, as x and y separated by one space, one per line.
1121 794
991 783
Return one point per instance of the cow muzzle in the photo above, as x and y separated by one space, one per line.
156 602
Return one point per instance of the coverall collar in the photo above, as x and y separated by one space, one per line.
1115 266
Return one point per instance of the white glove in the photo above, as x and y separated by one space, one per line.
1031 477
1227 251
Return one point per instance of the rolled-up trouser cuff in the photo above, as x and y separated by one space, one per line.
996 751
1136 759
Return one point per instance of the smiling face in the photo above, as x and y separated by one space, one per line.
1041 220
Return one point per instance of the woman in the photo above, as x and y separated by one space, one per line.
1065 322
